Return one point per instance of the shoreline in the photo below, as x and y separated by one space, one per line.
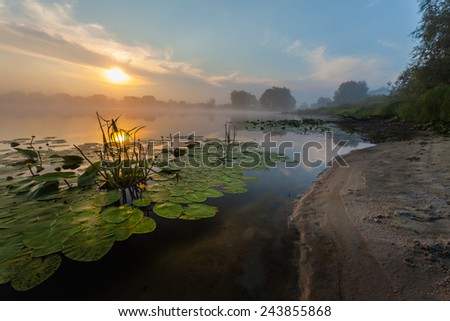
379 229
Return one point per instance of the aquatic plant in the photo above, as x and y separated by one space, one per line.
123 164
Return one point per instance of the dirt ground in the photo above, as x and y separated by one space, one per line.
380 228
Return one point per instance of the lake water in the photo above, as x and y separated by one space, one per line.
246 252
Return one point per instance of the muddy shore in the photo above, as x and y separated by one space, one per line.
380 228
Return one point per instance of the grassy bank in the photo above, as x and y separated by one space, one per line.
430 110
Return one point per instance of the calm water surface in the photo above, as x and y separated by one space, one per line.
245 253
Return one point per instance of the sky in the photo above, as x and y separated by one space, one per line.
194 50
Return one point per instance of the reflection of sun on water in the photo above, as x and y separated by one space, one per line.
116 75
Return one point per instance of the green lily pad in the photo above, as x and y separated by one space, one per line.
43 189
159 177
27 153
72 161
35 272
234 190
89 175
117 214
212 193
142 202
157 196
179 190
108 198
9 250
82 206
50 241
123 230
180 200
199 186
10 267
53 176
146 225
156 188
87 247
168 210
196 197
198 211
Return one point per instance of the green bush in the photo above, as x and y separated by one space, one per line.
432 106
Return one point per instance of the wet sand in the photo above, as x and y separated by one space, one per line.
380 228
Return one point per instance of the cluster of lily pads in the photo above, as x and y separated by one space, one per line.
52 205
289 125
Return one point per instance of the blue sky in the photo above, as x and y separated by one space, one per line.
195 50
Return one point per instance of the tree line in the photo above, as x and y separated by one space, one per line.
275 98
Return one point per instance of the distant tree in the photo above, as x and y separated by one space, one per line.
382 91
430 64
242 98
350 92
303 106
277 98
211 102
148 100
323 102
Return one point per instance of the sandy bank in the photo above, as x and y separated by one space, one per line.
379 229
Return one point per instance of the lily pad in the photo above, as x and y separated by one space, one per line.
142 202
117 214
180 200
82 206
27 153
123 230
146 225
72 161
212 193
168 210
158 196
198 211
89 175
10 267
9 250
53 176
234 190
87 247
35 272
196 197
43 190
108 198
50 241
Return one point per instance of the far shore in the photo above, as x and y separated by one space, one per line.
379 229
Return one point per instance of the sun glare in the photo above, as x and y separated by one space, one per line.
116 75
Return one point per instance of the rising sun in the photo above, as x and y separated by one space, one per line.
116 75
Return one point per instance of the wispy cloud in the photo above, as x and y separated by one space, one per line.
52 32
371 4
329 70
388 44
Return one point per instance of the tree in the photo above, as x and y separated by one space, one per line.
430 64
350 92
277 98
243 99
322 102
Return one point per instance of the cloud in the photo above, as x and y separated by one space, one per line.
328 70
51 32
235 77
371 4
388 44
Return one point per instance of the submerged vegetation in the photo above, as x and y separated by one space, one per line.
56 202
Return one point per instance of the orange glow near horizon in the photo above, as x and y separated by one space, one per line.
116 75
